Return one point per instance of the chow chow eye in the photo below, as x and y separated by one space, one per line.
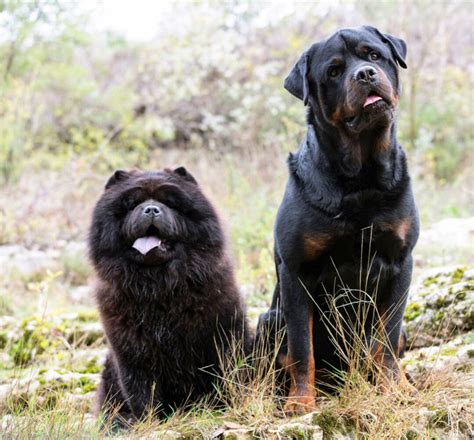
374 56
129 203
171 201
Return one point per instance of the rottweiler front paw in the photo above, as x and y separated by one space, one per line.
300 404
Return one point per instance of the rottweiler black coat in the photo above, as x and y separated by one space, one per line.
348 222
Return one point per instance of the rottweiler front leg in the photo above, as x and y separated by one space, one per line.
298 313
390 310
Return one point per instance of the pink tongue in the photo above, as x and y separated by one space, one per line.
146 244
371 99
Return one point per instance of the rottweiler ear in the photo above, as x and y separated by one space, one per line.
183 172
297 81
118 176
398 47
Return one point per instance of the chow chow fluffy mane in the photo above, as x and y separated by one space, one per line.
166 292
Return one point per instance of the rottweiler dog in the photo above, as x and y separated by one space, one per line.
348 222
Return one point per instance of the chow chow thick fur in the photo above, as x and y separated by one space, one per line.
166 293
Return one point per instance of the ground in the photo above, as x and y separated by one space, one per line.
50 369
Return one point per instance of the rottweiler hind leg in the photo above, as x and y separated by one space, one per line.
298 313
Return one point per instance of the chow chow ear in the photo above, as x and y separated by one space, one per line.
183 172
118 176
297 81
398 47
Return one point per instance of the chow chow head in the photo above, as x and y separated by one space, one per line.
350 79
151 219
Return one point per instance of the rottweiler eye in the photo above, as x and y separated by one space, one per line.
374 56
334 71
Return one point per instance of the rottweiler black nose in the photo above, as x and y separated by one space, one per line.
151 210
365 74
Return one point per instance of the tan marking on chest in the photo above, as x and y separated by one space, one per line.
336 116
383 141
400 228
315 245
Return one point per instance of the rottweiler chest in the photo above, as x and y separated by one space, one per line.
364 259
382 240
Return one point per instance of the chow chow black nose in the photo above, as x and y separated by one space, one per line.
152 210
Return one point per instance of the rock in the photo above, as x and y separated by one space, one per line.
36 337
26 262
6 423
341 436
17 392
233 431
237 434
469 274
43 387
455 355
299 430
80 402
459 231
90 422
75 248
168 435
69 258
81 294
9 250
75 263
440 306
425 415
85 333
9 331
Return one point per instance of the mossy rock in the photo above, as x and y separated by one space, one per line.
36 338
299 431
440 306
47 388
454 355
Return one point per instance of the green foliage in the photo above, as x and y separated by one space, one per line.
211 86
76 267
251 207
37 336
412 311
41 339
445 125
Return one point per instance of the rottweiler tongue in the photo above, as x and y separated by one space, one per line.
146 244
371 99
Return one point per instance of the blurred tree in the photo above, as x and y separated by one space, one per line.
34 35
212 78
437 116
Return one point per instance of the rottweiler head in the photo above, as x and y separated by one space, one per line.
350 80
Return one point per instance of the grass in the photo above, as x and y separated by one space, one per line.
441 408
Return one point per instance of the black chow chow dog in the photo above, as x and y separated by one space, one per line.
348 221
167 296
